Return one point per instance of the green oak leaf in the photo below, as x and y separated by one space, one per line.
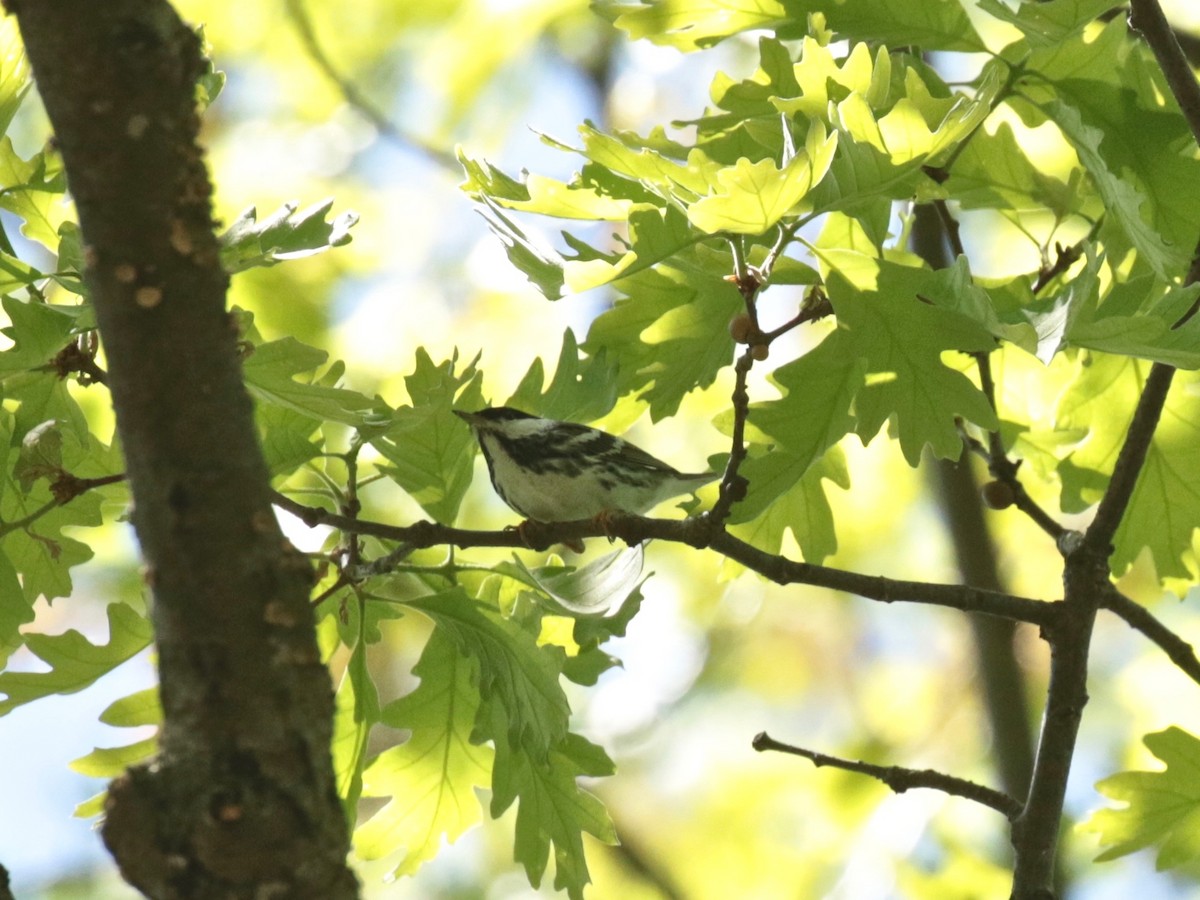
655 235
356 711
898 23
1160 808
135 710
1107 94
886 321
15 610
803 509
660 335
1046 24
429 450
583 388
752 197
75 662
517 679
288 233
690 25
813 414
38 332
1164 509
432 777
553 809
270 371
540 263
33 190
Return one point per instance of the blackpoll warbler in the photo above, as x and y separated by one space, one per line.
559 471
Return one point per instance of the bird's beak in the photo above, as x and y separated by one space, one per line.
467 417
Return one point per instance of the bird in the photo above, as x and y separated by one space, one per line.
552 471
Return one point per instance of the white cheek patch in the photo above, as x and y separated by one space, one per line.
521 428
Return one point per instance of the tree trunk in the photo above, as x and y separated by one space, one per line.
241 801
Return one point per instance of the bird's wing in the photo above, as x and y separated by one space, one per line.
638 457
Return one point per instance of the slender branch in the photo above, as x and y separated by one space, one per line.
1065 258
1035 832
741 273
899 778
65 487
1190 45
381 566
816 306
1005 470
1146 17
351 506
786 234
950 228
782 570
1140 619
1137 444
78 356
26 521
1002 467
355 97
733 486
696 533
1133 454
1088 586
341 582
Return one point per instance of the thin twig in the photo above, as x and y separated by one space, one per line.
65 487
26 521
1140 619
950 228
695 533
900 778
1065 258
1137 444
733 486
1004 469
816 306
1001 466
75 357
383 565
786 234
341 582
356 99
1131 458
1146 17
351 506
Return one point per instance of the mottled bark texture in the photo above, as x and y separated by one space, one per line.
241 801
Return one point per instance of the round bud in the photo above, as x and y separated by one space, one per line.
998 494
760 351
740 328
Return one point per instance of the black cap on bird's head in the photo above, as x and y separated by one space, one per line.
493 414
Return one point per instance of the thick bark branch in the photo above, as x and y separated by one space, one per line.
241 802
